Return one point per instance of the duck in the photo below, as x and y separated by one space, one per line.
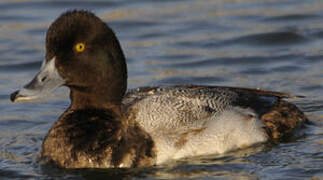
108 126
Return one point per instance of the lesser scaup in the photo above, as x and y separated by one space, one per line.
106 127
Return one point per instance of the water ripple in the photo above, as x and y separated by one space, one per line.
21 66
293 17
57 4
189 80
232 61
265 39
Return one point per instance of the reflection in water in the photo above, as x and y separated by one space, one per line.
273 45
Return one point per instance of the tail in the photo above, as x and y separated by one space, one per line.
283 119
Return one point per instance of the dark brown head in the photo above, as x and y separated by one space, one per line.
82 53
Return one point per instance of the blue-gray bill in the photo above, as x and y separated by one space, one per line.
47 80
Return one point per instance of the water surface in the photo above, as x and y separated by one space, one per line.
269 44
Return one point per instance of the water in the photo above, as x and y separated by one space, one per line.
269 44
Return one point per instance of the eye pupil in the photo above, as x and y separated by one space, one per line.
80 47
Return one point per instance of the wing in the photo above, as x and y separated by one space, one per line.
178 109
172 108
143 91
262 92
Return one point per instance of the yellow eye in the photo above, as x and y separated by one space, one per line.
80 47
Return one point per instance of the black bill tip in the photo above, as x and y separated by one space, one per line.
14 96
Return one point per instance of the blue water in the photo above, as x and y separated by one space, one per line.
268 44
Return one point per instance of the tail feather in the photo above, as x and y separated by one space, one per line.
283 119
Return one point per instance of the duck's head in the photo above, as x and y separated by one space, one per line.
82 53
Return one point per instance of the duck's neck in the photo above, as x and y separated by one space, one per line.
94 100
